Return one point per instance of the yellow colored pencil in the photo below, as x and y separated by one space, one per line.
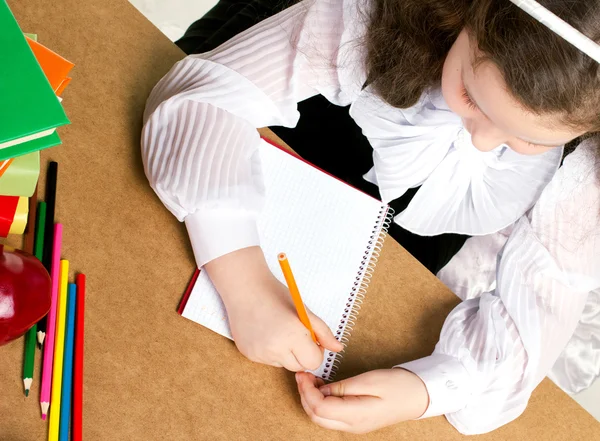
295 293
59 347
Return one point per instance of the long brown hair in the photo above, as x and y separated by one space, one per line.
407 42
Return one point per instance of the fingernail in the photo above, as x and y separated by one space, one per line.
325 390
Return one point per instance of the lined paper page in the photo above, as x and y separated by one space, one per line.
323 225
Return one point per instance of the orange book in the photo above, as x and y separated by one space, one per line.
4 165
54 66
62 86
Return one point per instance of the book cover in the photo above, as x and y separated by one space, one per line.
30 146
55 67
29 105
20 178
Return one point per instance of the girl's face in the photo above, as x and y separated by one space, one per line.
489 112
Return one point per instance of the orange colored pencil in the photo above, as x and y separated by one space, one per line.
295 293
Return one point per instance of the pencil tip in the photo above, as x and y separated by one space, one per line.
27 385
44 407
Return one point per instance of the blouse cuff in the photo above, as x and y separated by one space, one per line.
446 380
216 233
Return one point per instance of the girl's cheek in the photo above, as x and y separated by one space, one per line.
456 103
452 91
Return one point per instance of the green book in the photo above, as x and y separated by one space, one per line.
21 177
29 110
29 146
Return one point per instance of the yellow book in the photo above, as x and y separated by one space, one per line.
20 220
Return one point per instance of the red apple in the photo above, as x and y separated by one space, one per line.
24 292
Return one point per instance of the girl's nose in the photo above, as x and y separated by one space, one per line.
484 135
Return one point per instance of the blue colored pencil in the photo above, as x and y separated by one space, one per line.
67 380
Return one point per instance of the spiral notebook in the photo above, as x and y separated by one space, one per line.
332 234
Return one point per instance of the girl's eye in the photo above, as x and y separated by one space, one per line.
536 146
468 101
531 145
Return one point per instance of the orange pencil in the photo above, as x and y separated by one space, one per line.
298 303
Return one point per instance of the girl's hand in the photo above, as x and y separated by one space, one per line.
363 403
262 317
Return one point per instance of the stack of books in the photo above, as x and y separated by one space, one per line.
32 78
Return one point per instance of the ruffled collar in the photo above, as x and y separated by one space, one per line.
462 190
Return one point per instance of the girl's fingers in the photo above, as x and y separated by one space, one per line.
291 363
371 383
308 354
324 335
345 410
325 423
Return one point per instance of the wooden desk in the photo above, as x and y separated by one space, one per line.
150 374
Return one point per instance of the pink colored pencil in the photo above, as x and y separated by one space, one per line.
51 329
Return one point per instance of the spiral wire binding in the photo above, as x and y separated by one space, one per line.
359 290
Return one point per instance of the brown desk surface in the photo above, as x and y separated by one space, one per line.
150 374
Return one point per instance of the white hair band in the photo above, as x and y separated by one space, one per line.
560 27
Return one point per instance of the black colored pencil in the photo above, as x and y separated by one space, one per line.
51 181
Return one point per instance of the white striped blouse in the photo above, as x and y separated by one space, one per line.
199 146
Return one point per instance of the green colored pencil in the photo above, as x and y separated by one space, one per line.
38 249
30 341
31 337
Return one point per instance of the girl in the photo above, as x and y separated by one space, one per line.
462 101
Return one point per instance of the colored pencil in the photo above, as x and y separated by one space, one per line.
67 379
38 249
49 346
76 434
28 242
59 352
30 337
51 182
29 359
295 293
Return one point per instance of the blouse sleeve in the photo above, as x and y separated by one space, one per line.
199 140
495 349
